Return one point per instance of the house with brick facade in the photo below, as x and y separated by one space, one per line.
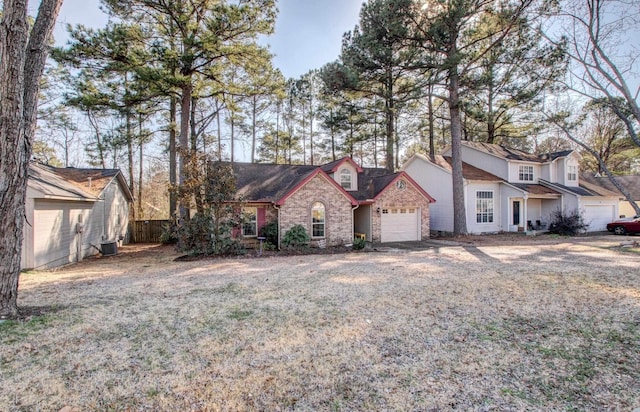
335 202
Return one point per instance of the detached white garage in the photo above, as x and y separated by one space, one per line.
70 213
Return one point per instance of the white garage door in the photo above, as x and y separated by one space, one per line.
400 224
53 238
597 216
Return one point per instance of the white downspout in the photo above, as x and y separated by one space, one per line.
353 221
279 223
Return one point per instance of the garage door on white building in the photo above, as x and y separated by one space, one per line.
400 224
597 216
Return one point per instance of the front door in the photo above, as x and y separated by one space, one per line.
516 212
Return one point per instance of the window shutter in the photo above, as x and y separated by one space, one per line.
262 217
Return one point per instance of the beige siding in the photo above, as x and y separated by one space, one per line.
116 213
55 241
52 240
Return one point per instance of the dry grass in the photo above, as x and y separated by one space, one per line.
472 327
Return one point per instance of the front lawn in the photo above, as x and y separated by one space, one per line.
468 327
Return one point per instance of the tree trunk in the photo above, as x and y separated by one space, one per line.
219 130
311 128
491 122
277 140
232 124
173 195
22 59
459 211
375 140
130 158
140 176
333 139
432 148
183 146
99 145
253 128
304 138
389 109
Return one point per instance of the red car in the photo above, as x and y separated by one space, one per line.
622 227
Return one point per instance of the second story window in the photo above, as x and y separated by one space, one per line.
572 173
345 179
525 174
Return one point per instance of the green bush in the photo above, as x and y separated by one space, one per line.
270 232
567 223
168 235
296 237
196 236
359 243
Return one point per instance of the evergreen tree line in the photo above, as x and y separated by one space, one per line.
166 82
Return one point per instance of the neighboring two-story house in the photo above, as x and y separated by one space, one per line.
335 202
511 190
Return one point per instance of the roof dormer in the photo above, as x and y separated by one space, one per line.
345 173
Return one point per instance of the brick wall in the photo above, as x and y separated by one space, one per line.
338 210
393 197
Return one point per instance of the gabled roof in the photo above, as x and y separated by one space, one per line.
468 172
87 184
335 165
43 179
261 182
557 155
631 183
515 154
584 189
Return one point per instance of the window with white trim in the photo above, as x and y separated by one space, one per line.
249 221
572 173
345 179
317 220
484 207
526 173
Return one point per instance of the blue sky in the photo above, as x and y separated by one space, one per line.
308 32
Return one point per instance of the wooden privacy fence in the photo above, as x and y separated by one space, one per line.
147 231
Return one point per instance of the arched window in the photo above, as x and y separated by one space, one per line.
345 179
317 220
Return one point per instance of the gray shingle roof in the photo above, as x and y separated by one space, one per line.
631 183
82 182
535 189
515 154
261 182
